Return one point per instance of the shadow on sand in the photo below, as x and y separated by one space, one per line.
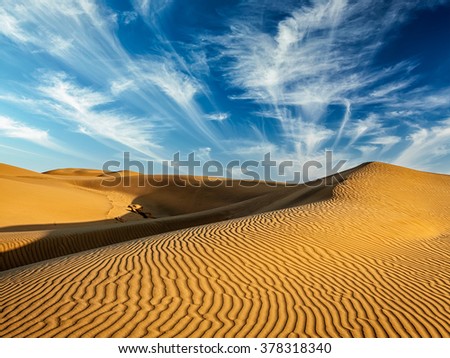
64 239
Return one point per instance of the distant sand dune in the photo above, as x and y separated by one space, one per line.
372 260
64 198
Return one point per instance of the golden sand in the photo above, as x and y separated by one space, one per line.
368 257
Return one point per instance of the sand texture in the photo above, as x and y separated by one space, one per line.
366 257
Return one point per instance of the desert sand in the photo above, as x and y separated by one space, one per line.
365 257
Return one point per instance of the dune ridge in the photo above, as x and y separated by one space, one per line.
175 207
371 260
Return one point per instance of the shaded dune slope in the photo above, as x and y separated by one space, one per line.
174 206
371 261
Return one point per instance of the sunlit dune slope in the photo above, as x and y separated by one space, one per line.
10 170
370 261
31 198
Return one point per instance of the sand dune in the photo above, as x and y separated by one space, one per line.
93 215
10 170
368 257
29 198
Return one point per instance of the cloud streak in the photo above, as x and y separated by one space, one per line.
12 128
428 148
217 116
81 106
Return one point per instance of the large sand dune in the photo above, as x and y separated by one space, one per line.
72 210
367 257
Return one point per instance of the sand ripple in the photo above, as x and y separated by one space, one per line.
372 261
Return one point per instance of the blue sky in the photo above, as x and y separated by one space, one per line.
83 81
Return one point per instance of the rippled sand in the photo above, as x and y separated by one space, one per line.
368 257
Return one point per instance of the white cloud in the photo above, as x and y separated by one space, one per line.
83 107
319 56
362 127
322 54
309 137
178 86
203 154
75 32
171 92
344 122
427 148
402 113
308 62
129 17
15 129
59 87
390 88
147 9
82 36
11 27
122 85
221 116
426 100
366 149
250 149
386 140
42 26
142 7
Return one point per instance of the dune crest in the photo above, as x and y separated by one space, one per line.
10 170
93 214
371 259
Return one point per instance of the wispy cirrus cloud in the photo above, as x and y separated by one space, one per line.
321 54
221 116
82 36
12 128
175 84
128 17
117 86
391 88
311 60
386 141
11 27
427 148
84 107
295 77
142 7
308 61
147 9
